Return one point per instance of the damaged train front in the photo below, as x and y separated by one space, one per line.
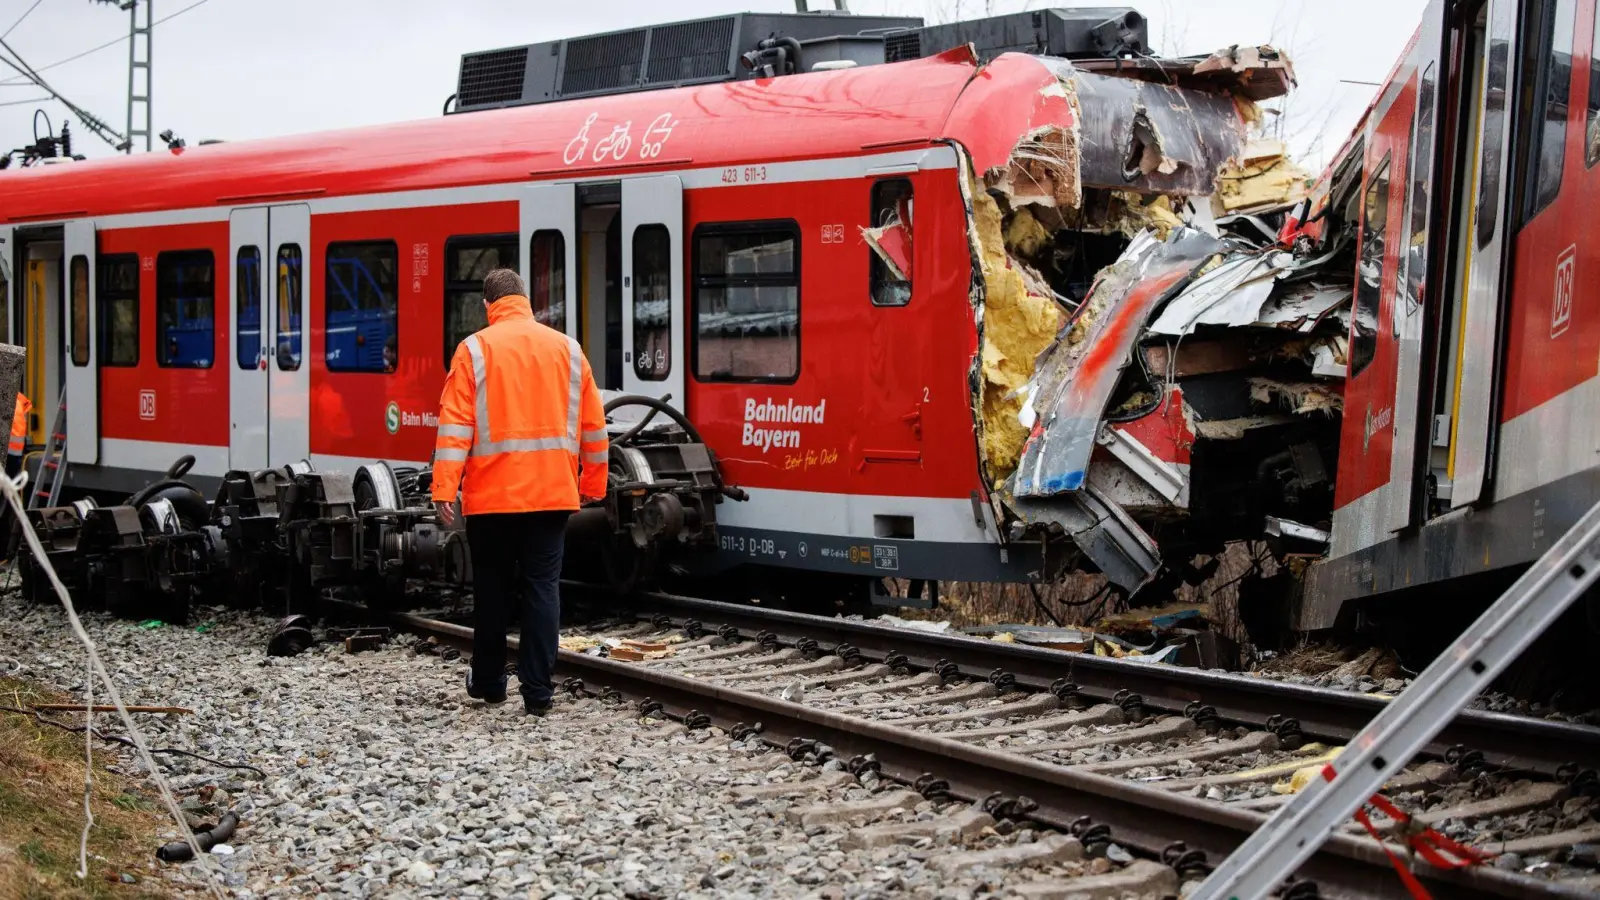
1160 347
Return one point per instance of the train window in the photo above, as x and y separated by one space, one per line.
547 289
1421 196
118 274
747 302
247 302
185 310
290 286
359 302
652 302
1548 144
80 310
1369 272
1494 123
1592 126
891 204
467 261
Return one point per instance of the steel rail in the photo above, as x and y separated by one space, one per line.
1520 742
1146 819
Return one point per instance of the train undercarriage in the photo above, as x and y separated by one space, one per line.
281 539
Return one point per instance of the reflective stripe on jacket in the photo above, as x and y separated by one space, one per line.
19 427
519 415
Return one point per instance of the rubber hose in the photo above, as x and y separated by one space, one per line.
174 478
180 851
659 406
631 433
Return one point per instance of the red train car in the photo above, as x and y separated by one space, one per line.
842 277
1469 440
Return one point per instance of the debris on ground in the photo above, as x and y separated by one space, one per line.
41 808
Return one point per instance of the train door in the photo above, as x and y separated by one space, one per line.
289 384
252 346
598 285
652 287
1370 391
83 375
549 246
1481 250
1411 280
41 318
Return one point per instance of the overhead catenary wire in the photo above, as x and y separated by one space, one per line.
21 19
91 121
109 44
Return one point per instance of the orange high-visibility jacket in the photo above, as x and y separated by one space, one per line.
519 412
19 427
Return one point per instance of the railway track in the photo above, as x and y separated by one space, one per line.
1178 764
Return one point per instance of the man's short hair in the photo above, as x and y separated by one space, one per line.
503 283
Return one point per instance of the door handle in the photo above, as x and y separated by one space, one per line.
914 419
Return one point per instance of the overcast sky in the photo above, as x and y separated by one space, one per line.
236 69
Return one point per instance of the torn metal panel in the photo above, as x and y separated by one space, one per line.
1302 307
1077 375
1254 73
1102 530
1161 476
1152 138
1232 294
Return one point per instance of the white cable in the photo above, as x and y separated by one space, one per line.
13 492
88 770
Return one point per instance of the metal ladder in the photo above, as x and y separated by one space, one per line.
54 461
1408 723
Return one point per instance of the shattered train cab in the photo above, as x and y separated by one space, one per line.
1157 372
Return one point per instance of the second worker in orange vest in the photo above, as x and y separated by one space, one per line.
522 436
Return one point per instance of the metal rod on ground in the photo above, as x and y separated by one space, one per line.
1405 726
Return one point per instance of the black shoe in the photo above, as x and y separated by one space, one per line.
538 709
492 695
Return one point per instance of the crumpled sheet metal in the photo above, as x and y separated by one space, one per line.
1232 294
1152 138
1074 379
1118 547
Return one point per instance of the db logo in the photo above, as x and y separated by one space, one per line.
391 417
1561 299
147 405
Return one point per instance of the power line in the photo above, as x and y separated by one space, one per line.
20 18
45 99
78 56
90 120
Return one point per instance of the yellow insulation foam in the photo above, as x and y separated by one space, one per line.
1017 327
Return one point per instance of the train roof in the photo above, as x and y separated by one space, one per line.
804 116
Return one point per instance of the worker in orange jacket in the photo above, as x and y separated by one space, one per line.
519 420
19 436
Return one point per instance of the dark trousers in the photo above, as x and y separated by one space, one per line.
516 569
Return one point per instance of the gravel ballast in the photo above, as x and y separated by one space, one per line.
383 779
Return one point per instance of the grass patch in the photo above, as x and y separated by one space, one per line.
41 812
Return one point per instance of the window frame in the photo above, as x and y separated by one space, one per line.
1384 169
696 281
328 254
1536 195
633 247
875 265
454 287
107 298
238 308
160 297
1591 121
533 276
278 333
82 319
